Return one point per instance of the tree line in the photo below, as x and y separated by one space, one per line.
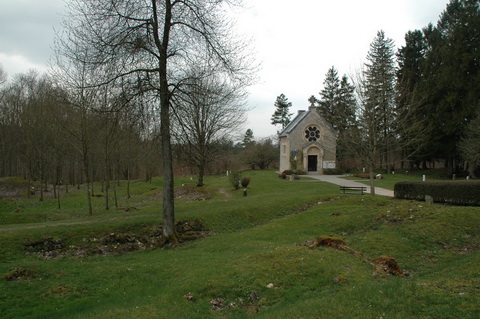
49 139
131 83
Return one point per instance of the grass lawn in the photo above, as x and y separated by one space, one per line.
253 264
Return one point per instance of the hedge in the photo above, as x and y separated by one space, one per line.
452 192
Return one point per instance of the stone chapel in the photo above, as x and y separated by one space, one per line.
308 143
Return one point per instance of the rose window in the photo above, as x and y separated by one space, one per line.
312 133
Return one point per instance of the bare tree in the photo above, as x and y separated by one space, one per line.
365 137
209 110
262 153
150 44
75 76
3 75
470 145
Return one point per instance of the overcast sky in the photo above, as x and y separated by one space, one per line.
296 42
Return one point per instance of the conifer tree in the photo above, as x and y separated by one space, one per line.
412 119
470 144
380 93
329 98
452 77
281 115
337 105
248 139
347 103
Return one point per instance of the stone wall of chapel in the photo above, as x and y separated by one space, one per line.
296 141
285 150
327 137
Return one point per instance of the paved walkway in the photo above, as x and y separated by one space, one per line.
335 179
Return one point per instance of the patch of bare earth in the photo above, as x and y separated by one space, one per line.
384 265
115 243
10 188
187 192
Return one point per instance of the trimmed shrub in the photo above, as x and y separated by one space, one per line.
245 181
451 192
301 172
235 177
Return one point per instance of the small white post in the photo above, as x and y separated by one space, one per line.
423 178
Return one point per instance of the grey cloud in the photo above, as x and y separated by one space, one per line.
28 27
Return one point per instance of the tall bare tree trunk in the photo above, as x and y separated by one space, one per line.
168 212
115 191
372 180
107 187
201 173
128 181
59 205
89 190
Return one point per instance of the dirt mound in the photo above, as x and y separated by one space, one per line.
47 244
18 273
12 188
187 192
334 242
388 265
384 265
191 192
328 241
116 243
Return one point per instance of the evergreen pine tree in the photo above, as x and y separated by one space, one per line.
281 115
412 125
380 93
248 139
337 105
452 76
329 98
347 104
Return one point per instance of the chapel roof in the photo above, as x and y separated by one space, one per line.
299 118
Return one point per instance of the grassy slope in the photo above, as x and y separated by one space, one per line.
254 245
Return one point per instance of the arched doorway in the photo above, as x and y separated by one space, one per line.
313 159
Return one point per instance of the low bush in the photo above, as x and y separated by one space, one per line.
245 181
452 192
285 173
333 171
362 175
235 178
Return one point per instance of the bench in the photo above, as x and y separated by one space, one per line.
358 190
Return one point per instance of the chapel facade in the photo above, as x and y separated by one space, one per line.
308 143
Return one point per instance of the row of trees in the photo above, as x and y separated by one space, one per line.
48 139
45 137
130 79
150 53
438 81
417 105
